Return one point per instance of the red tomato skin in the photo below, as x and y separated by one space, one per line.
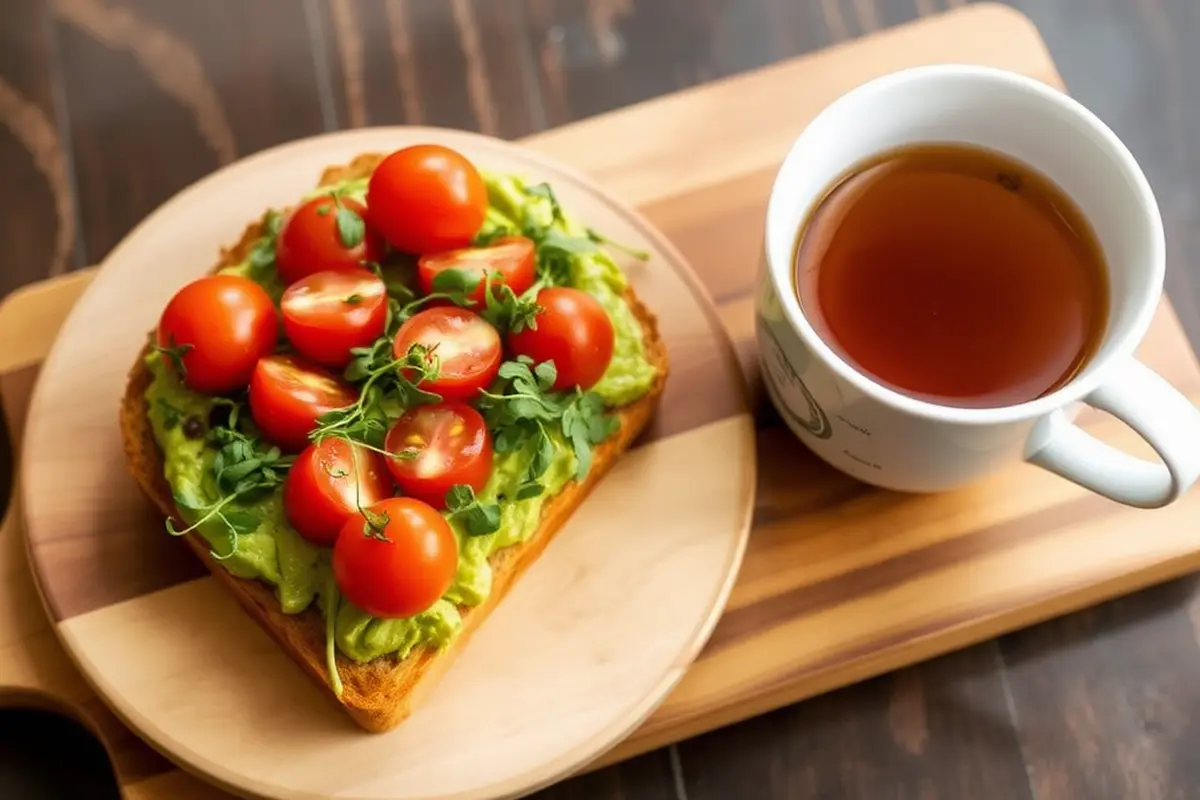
510 260
325 334
471 465
574 331
230 323
318 498
434 326
401 577
309 241
426 198
287 394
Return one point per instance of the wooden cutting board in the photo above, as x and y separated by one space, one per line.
840 582
590 639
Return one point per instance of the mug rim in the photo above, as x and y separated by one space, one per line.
1074 390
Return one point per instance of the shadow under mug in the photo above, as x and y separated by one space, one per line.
891 440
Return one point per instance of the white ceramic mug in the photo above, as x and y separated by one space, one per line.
892 440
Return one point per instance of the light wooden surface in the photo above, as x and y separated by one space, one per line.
583 648
840 582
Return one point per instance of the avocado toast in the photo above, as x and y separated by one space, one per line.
209 460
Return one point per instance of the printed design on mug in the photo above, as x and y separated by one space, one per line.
788 388
769 306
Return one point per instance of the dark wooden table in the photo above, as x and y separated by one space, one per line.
107 107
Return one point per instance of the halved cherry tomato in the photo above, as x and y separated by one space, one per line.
327 485
436 447
466 346
218 327
427 198
327 313
574 331
509 260
311 239
287 394
397 560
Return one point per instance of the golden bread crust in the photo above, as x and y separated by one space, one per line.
381 693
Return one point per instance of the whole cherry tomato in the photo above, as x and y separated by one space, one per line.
396 559
217 328
427 198
326 233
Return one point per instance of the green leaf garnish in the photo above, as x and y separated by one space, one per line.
526 406
333 599
528 490
235 522
585 424
385 380
175 352
262 256
479 519
503 308
546 374
599 238
555 249
544 191
508 312
243 464
556 240
244 469
350 226
456 283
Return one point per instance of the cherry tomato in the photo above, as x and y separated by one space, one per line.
426 198
465 345
287 395
436 447
311 240
218 326
509 260
327 313
574 331
327 485
397 560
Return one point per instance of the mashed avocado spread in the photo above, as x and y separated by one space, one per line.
268 549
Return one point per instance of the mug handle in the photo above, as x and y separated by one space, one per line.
1157 411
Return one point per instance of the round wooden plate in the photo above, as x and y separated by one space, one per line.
587 644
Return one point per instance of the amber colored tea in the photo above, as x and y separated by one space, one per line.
954 275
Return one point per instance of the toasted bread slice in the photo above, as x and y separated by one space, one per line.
381 693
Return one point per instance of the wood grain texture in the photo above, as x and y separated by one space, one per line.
879 568
1131 63
37 224
202 85
649 777
1127 60
938 732
1127 666
703 387
453 63
1105 699
579 679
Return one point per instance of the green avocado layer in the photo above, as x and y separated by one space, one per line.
299 571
